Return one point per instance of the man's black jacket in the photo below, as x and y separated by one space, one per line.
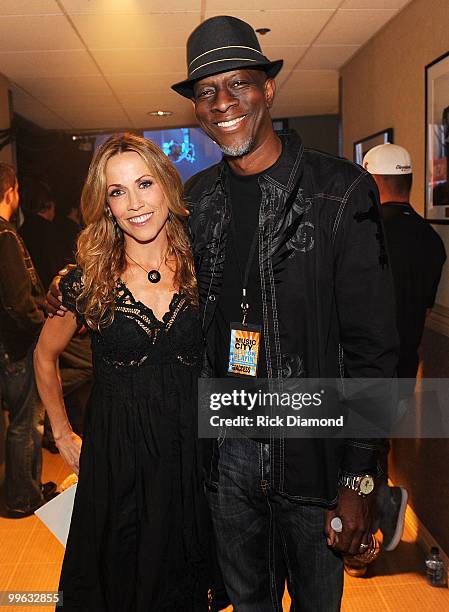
327 293
21 295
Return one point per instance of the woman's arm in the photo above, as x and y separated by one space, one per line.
55 336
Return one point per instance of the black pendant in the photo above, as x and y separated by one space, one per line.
154 276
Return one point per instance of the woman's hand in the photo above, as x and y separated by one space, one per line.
69 446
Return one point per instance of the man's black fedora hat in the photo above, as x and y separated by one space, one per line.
221 44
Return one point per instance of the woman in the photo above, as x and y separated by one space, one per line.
134 542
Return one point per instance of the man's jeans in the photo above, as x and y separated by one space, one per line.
264 538
23 460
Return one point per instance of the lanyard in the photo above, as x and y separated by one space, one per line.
244 278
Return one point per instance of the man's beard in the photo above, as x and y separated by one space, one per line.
238 150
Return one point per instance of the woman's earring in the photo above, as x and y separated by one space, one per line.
109 214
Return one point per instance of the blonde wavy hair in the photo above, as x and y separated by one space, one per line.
101 246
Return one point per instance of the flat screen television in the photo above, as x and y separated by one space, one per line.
188 148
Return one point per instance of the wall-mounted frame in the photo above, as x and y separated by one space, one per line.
436 208
361 147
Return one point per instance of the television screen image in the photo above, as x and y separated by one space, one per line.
188 148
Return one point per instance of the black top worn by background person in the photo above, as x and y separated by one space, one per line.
40 236
68 232
21 295
245 198
417 256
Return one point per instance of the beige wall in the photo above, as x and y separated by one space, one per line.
6 152
383 86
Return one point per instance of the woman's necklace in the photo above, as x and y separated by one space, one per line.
154 276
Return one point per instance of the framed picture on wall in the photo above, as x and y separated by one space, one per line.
361 147
437 141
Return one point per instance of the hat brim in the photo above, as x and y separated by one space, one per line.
185 88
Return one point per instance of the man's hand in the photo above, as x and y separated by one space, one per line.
357 515
53 302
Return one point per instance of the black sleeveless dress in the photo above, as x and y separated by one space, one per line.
138 534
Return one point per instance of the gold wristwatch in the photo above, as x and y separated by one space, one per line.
363 485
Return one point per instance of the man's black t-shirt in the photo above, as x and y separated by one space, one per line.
245 198
417 255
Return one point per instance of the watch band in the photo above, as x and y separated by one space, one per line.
354 482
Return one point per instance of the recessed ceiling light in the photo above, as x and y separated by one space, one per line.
263 31
160 113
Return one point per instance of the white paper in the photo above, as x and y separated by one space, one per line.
57 514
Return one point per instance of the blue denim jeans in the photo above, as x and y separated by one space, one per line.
264 539
23 453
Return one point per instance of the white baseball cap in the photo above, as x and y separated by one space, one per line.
388 159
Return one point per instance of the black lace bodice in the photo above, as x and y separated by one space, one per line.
136 337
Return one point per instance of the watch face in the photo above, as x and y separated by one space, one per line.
366 485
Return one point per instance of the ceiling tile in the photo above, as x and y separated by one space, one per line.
374 4
166 100
287 27
37 33
310 79
31 109
180 119
136 31
97 118
325 57
25 7
233 5
143 61
130 7
65 86
290 54
354 27
139 83
47 64
63 103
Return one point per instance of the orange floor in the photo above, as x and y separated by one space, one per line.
30 559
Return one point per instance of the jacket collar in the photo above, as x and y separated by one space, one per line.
285 172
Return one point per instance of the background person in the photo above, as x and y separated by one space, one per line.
38 230
21 318
417 256
50 245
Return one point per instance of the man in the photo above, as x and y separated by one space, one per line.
320 289
417 256
21 318
69 226
38 230
51 247
290 240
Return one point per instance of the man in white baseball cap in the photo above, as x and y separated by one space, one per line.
417 256
388 159
391 166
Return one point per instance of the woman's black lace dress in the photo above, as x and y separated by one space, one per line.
139 524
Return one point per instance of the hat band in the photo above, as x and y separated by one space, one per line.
228 59
226 47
